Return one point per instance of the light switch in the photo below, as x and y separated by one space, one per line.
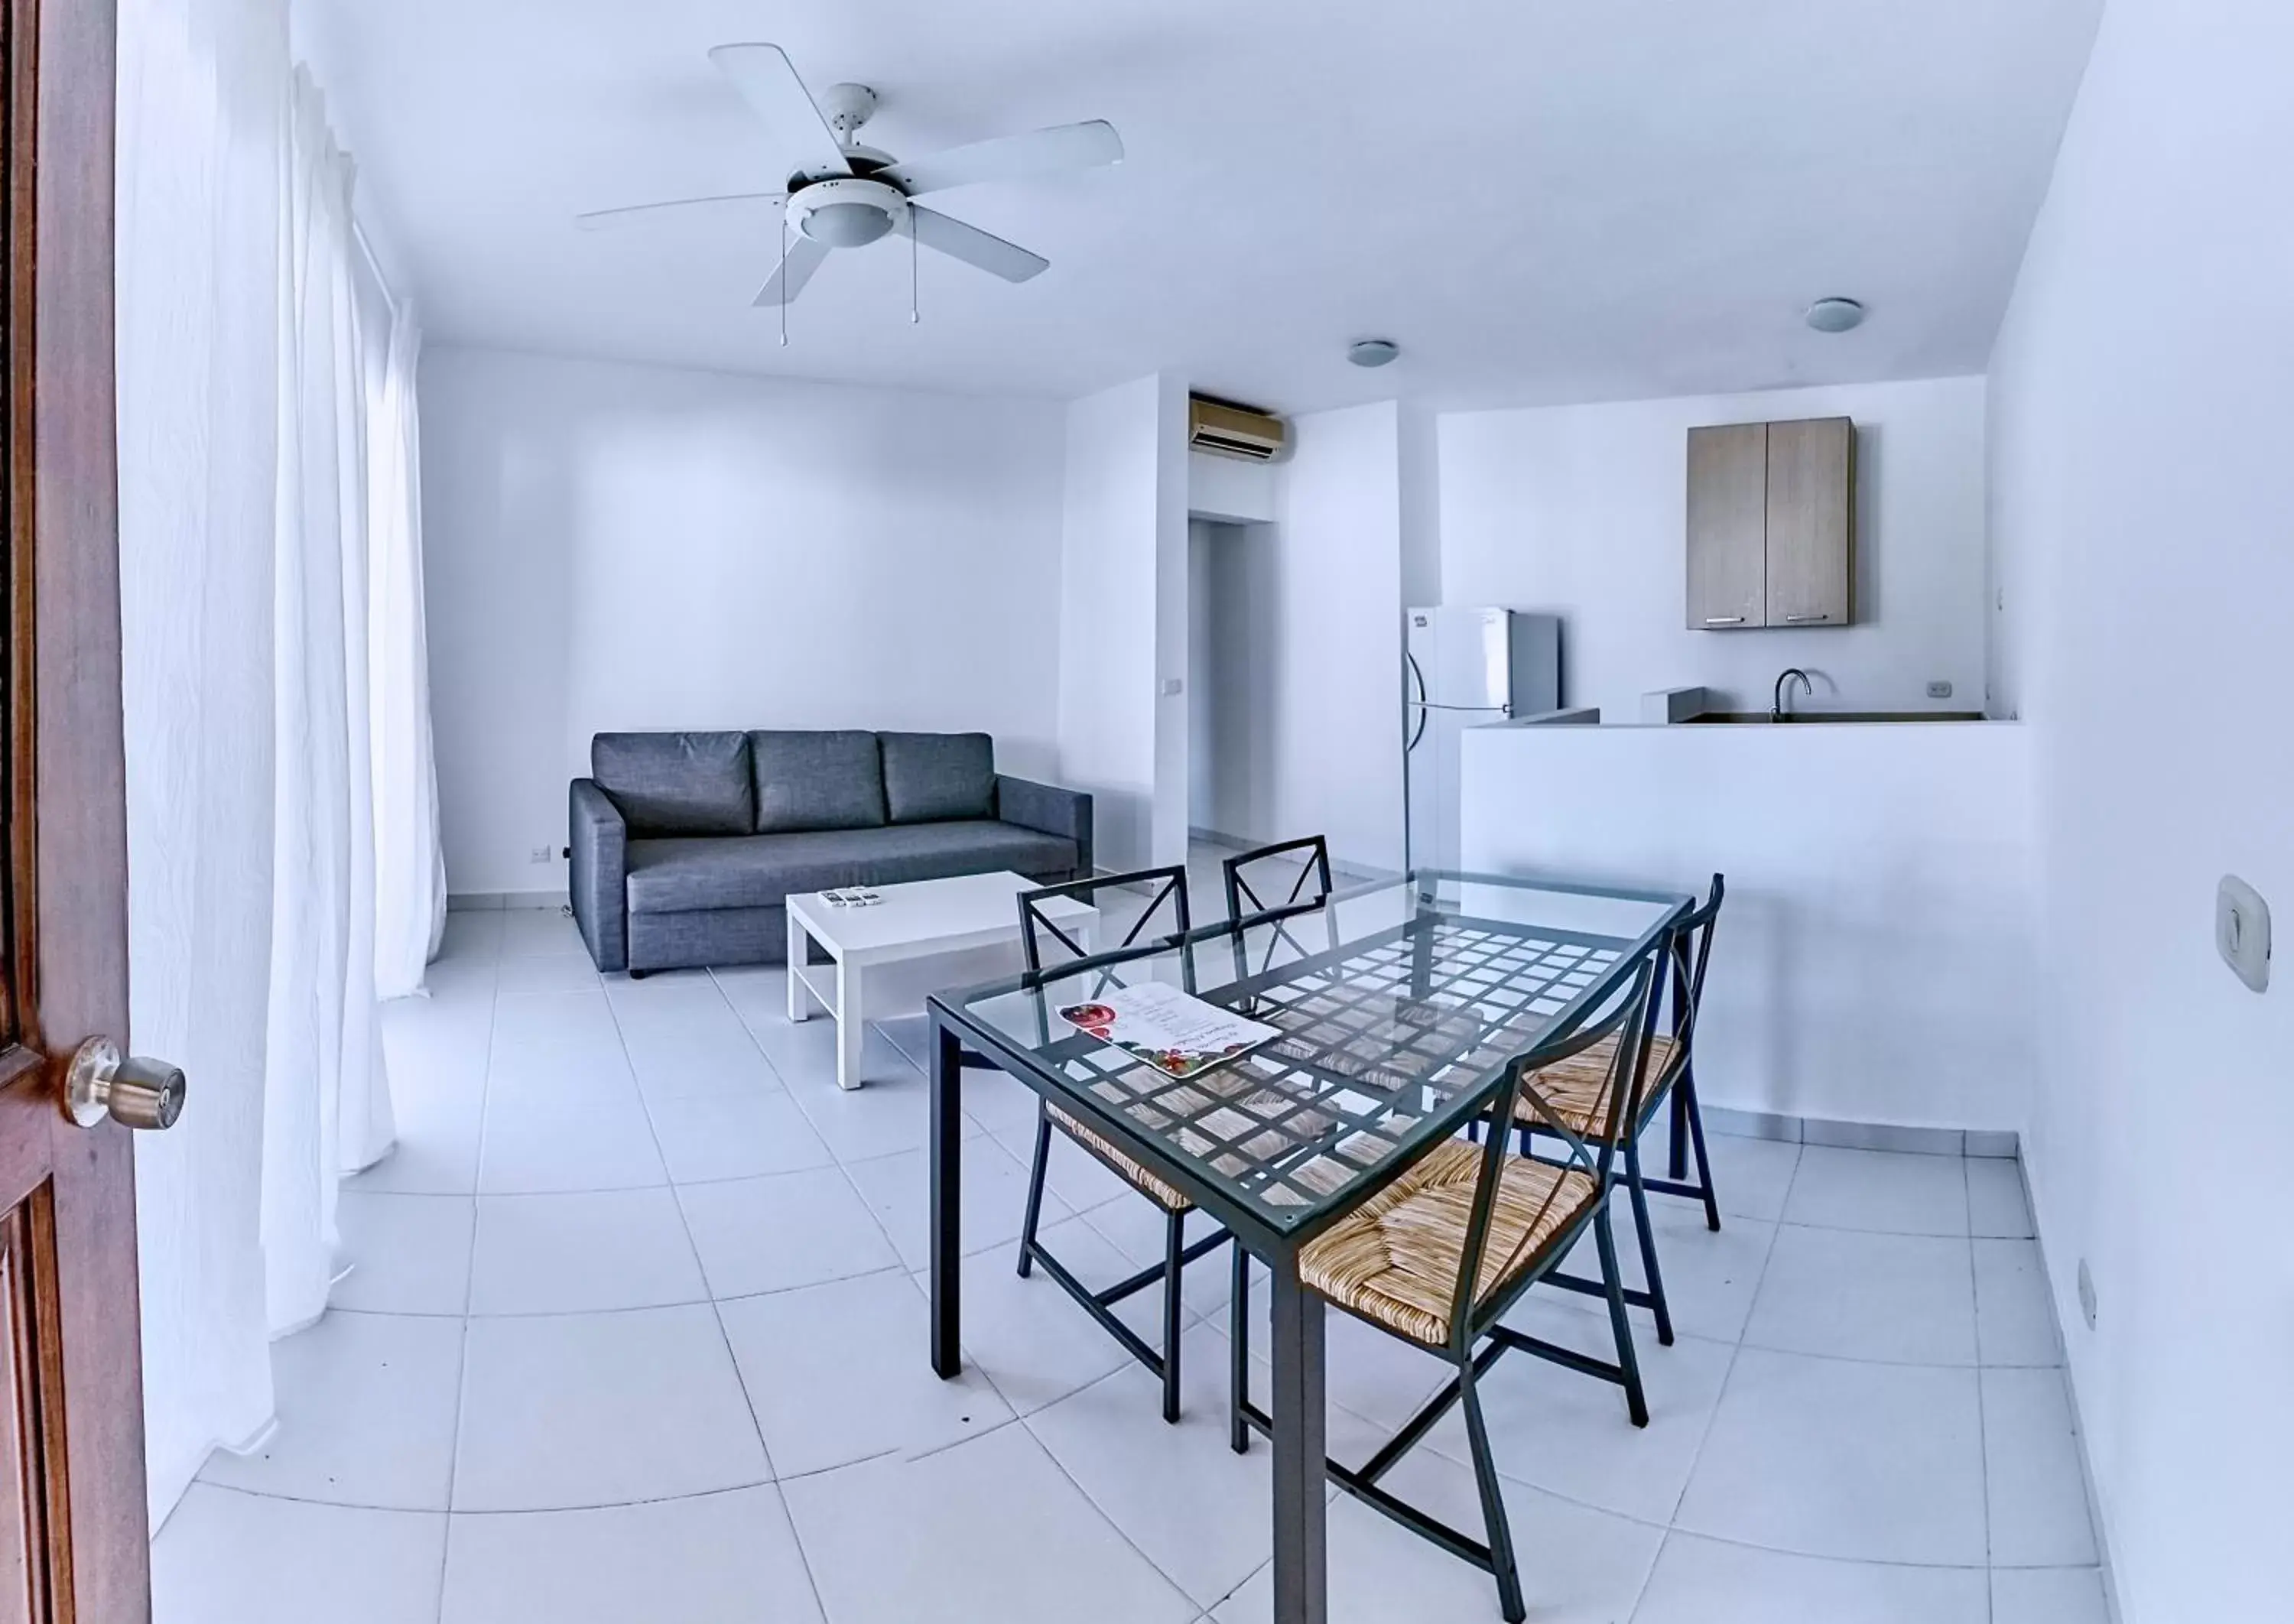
2243 932
1172 684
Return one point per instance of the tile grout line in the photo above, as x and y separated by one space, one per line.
716 1312
1736 1349
1015 1416
1085 1494
469 1281
684 1227
1982 1422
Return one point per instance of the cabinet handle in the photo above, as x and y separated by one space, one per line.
1803 620
1724 620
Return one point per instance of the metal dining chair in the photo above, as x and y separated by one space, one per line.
1438 1256
1303 892
1575 1089
1269 866
1052 953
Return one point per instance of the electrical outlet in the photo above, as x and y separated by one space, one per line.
2086 1293
540 854
1938 690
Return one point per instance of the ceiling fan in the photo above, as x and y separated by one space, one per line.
843 195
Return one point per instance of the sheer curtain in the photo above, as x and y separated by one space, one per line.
410 863
201 146
326 1098
270 607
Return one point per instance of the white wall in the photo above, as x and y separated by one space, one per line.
2141 417
1167 843
1332 625
1122 618
1231 675
622 547
1874 957
1230 489
1582 511
1419 458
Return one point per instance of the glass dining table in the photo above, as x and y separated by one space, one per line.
1399 1005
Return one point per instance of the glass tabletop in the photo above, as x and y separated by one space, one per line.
1398 1005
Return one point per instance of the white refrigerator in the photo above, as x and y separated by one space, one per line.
1465 668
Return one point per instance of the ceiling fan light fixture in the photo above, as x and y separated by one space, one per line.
1372 351
1836 316
847 225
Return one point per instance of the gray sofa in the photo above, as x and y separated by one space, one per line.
684 845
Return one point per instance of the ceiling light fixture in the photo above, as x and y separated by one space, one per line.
1836 316
1372 351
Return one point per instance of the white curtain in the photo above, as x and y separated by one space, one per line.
327 1102
410 863
267 522
201 149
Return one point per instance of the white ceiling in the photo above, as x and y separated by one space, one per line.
1540 200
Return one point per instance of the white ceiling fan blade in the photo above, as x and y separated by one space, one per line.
602 219
974 245
769 84
804 258
1011 157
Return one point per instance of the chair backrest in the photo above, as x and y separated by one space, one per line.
1629 1017
1304 891
1270 868
1688 949
1053 950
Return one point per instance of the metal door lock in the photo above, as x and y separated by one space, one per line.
132 1090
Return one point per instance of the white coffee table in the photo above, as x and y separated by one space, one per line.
927 918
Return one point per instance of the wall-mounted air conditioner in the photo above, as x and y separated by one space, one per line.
1233 431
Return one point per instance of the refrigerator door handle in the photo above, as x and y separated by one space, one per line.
1419 678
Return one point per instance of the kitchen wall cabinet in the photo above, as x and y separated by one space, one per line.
1727 527
1771 524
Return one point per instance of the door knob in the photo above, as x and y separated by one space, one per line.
133 1091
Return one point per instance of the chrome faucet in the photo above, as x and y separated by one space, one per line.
1777 712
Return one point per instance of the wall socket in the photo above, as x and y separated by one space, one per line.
2086 1293
540 854
1938 690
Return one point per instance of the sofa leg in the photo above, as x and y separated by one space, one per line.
639 975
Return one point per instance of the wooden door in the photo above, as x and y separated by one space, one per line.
73 1541
1728 522
1811 522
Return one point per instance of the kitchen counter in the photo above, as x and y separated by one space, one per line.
1874 958
1810 719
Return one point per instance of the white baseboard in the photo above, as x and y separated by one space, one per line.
482 902
2071 1394
2003 1143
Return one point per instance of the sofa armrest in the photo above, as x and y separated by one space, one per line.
1047 810
597 880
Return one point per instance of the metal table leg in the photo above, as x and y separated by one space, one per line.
1301 1548
948 1200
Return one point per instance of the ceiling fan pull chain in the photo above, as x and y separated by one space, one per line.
783 273
913 317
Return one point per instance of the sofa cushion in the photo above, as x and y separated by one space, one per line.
671 876
816 780
938 778
667 783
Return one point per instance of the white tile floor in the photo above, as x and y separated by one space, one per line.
636 1330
